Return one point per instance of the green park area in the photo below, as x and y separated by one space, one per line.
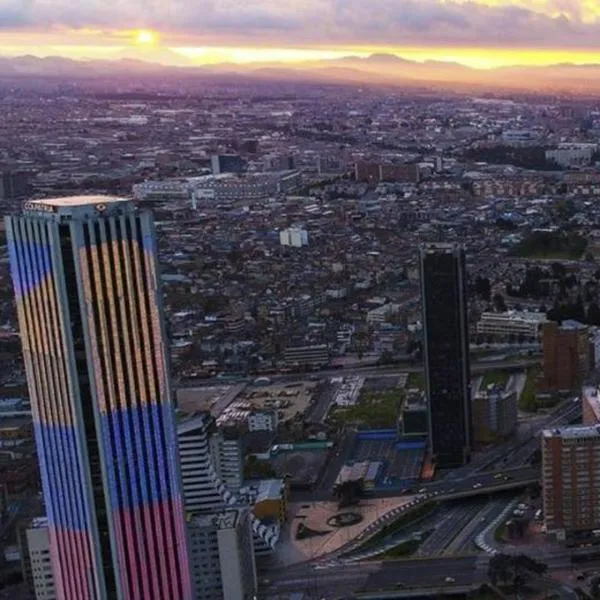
495 378
530 401
410 518
415 380
551 245
374 410
406 548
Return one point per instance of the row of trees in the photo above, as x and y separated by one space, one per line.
514 571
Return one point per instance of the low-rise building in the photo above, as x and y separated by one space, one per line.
263 420
35 558
524 324
309 356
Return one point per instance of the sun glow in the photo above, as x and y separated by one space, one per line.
144 37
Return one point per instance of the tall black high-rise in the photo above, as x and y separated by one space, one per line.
446 352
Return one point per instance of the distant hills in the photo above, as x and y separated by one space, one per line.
386 69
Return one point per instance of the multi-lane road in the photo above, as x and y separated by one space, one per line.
345 580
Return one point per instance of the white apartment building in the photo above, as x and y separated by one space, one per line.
517 323
294 236
572 154
228 458
38 548
221 555
205 491
202 488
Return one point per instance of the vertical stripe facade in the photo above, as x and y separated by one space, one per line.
134 491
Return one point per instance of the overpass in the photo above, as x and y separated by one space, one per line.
420 592
476 485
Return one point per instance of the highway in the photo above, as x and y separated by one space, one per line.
455 518
337 580
344 581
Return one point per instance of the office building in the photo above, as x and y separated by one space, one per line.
565 355
202 488
268 498
35 553
294 236
222 553
227 163
495 412
85 278
310 356
228 457
446 352
519 325
571 480
224 534
14 185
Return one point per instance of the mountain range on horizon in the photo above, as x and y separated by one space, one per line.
378 68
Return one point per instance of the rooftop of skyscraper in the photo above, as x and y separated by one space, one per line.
77 201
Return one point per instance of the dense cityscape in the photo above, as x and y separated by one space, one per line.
297 340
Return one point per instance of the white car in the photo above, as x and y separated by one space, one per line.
450 580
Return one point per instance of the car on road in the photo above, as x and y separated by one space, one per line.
421 491
476 486
450 580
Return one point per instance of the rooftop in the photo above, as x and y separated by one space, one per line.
577 431
75 201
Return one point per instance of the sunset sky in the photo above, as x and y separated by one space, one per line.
479 33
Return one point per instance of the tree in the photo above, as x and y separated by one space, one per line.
593 314
499 303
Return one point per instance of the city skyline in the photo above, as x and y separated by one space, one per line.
532 33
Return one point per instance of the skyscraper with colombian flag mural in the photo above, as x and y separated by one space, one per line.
89 306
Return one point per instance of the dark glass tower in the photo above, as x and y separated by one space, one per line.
90 318
446 352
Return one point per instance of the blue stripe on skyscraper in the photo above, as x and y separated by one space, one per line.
149 243
107 450
138 434
59 461
117 459
136 469
150 454
28 252
158 468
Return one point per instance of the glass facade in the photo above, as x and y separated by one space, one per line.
446 352
89 307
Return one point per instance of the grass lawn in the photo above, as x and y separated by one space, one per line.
499 532
407 548
416 380
495 378
400 523
374 410
528 401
